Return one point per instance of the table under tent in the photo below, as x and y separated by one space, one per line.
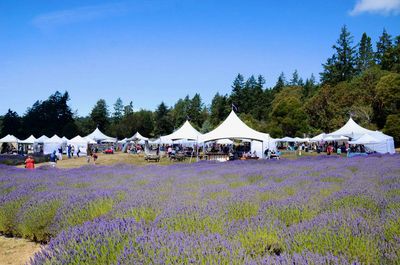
233 128
103 141
9 144
26 146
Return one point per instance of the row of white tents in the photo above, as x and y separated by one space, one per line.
232 128
352 133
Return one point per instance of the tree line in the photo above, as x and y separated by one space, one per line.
360 80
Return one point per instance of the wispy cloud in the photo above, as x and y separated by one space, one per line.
80 14
384 7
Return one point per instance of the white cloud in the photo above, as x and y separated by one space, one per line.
385 7
86 13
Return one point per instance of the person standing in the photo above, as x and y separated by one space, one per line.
88 153
69 151
53 159
30 163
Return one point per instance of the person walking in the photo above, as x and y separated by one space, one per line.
69 151
53 159
88 154
30 163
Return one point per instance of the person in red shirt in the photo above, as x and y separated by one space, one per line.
30 162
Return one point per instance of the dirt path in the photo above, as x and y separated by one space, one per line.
16 251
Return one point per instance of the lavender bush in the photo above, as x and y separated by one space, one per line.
319 210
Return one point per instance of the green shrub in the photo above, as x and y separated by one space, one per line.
260 242
242 210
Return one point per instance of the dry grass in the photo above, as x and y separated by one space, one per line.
16 251
106 160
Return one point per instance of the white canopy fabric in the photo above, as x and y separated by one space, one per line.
233 128
30 140
336 138
79 143
318 138
186 131
41 139
90 140
9 139
365 139
97 135
52 144
65 139
351 129
285 139
123 141
385 144
301 140
138 136
224 141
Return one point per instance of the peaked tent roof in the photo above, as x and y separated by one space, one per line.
78 139
285 139
318 138
233 128
138 136
186 131
54 139
97 135
30 140
351 129
9 138
41 139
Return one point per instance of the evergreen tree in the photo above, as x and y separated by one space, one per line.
365 56
11 124
128 109
99 115
383 55
236 96
295 79
118 109
219 109
195 111
280 83
162 121
341 66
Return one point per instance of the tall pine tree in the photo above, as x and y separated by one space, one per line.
365 56
341 66
383 55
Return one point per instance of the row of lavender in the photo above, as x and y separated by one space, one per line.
325 210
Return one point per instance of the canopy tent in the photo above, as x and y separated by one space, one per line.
233 128
318 138
65 139
286 139
355 131
123 141
336 138
224 141
41 139
138 136
365 139
52 144
186 131
97 135
90 140
79 143
351 129
301 140
9 139
30 140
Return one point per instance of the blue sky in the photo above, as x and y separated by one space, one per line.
148 51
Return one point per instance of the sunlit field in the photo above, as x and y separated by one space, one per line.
312 210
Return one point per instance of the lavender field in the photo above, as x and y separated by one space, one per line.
319 210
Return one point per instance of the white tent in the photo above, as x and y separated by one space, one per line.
365 139
355 131
90 140
336 138
41 139
9 139
186 131
123 141
97 135
30 140
224 141
318 138
233 128
65 139
138 136
351 129
52 144
80 143
285 139
301 140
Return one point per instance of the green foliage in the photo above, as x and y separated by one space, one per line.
90 211
242 210
342 242
333 179
254 179
289 215
145 214
194 223
260 242
36 221
355 202
392 127
100 114
8 215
